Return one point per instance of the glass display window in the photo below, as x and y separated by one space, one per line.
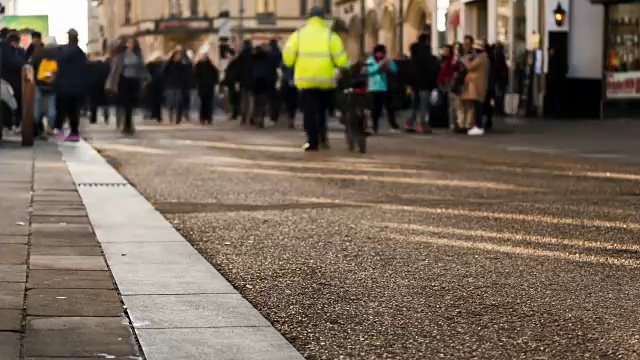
622 52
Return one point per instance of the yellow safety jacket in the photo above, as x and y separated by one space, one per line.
314 52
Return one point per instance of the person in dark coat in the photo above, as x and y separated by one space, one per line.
98 72
289 94
36 42
245 72
424 70
275 61
45 86
176 73
207 78
12 63
231 82
155 88
261 84
71 83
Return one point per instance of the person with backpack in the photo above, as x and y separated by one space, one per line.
45 67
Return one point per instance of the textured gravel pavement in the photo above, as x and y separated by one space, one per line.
428 247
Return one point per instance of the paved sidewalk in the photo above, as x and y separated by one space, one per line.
59 221
48 249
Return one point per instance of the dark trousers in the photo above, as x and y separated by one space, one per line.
206 106
380 100
156 94
274 104
96 102
234 101
289 95
69 108
128 93
314 110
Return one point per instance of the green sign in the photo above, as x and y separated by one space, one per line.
38 23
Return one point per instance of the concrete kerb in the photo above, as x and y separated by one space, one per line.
167 285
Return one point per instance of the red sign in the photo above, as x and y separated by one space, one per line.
623 85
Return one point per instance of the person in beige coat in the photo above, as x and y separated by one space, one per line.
475 88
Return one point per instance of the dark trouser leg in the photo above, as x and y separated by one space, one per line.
377 104
93 111
324 101
61 112
274 104
478 111
206 106
310 111
391 111
72 105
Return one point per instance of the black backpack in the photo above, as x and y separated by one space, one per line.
458 81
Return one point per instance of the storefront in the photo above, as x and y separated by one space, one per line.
621 59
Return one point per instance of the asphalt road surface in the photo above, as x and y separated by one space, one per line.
427 247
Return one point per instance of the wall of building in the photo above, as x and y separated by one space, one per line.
586 40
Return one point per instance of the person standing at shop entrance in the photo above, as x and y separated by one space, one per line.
314 52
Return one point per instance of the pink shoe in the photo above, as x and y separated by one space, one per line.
72 138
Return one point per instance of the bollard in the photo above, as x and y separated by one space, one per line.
28 98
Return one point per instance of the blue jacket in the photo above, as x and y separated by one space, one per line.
377 76
72 78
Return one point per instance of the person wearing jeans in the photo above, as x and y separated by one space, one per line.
424 78
44 90
49 101
378 67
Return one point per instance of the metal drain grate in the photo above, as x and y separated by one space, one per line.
120 185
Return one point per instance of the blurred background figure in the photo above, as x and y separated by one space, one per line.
207 77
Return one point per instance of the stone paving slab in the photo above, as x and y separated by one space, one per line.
13 239
60 239
174 253
170 279
44 219
53 262
13 273
11 295
48 211
78 337
138 235
246 343
10 320
69 279
62 228
73 302
9 345
66 250
192 311
13 254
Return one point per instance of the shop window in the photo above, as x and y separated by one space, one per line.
193 7
622 63
127 12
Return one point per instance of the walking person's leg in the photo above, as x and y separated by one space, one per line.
310 116
51 111
377 104
391 111
37 112
73 104
323 104
424 111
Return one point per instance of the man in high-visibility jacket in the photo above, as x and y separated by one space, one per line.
314 52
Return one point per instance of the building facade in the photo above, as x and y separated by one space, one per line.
394 23
164 24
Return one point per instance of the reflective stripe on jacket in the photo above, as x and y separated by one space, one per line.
314 52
